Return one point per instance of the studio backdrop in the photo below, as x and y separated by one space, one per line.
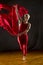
35 40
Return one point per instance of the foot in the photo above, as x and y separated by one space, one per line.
24 58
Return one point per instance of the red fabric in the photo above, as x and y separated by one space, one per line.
23 27
10 23
23 41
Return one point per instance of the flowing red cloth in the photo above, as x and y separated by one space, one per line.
9 22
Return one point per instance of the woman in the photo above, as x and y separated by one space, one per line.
23 36
23 27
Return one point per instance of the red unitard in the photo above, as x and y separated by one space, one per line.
23 39
9 22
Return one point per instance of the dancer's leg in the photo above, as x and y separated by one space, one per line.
19 42
23 41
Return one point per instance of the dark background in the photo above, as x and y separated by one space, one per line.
35 7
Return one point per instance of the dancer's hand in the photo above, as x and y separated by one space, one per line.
19 34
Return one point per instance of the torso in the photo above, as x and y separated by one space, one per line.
23 27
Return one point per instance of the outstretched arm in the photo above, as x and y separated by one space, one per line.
19 18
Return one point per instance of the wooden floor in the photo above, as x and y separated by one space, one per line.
15 58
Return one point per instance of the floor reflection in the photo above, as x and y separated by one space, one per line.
16 59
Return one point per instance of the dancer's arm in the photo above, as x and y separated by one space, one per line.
19 18
28 28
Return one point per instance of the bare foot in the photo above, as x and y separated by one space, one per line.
24 58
